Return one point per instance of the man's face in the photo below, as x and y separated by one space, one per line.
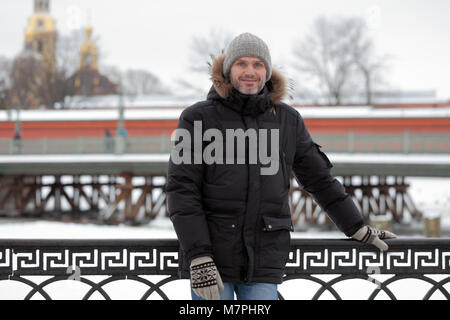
248 75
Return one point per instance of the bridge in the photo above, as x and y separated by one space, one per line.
117 187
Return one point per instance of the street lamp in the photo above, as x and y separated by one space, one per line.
121 133
17 139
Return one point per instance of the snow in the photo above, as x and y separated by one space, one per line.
86 158
160 228
112 101
370 112
159 112
432 197
91 115
389 158
378 158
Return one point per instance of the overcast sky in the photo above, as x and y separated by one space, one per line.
155 34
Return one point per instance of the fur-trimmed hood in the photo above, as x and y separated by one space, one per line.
278 87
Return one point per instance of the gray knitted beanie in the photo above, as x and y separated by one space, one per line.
247 45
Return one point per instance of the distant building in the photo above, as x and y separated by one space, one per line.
36 81
28 78
34 69
87 80
42 34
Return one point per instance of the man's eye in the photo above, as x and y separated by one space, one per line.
258 65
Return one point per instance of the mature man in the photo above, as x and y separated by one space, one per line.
231 217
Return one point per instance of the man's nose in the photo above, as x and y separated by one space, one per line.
249 70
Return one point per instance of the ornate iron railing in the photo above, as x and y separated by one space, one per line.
108 261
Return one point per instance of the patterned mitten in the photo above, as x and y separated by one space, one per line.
206 280
373 236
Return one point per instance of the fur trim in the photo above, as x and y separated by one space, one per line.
223 86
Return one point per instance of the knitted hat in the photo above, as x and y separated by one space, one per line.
247 45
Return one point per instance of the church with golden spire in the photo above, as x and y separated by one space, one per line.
41 33
89 51
34 69
36 80
87 80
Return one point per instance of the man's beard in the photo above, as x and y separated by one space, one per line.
237 85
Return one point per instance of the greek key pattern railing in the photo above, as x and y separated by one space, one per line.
59 260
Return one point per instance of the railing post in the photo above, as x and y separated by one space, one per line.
80 145
432 227
17 145
45 145
381 222
119 144
351 141
162 141
406 141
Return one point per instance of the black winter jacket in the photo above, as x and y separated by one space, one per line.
233 213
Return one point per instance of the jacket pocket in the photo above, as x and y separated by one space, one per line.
274 242
277 223
223 231
323 155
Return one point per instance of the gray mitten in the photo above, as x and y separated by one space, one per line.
206 280
373 236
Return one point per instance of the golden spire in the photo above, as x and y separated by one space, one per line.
28 36
40 34
88 33
41 6
89 52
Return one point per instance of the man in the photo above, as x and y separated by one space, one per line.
232 215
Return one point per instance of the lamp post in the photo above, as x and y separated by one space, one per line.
121 133
17 139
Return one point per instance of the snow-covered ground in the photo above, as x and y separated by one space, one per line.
431 195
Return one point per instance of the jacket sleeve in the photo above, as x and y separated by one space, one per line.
312 170
184 195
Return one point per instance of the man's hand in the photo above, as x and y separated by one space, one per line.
206 280
373 236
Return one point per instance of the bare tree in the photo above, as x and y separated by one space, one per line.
68 62
113 73
29 82
139 82
34 84
5 81
135 81
68 52
202 48
336 53
371 68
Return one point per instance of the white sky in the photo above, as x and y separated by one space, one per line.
155 35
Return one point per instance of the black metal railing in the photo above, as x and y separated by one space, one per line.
154 264
349 142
